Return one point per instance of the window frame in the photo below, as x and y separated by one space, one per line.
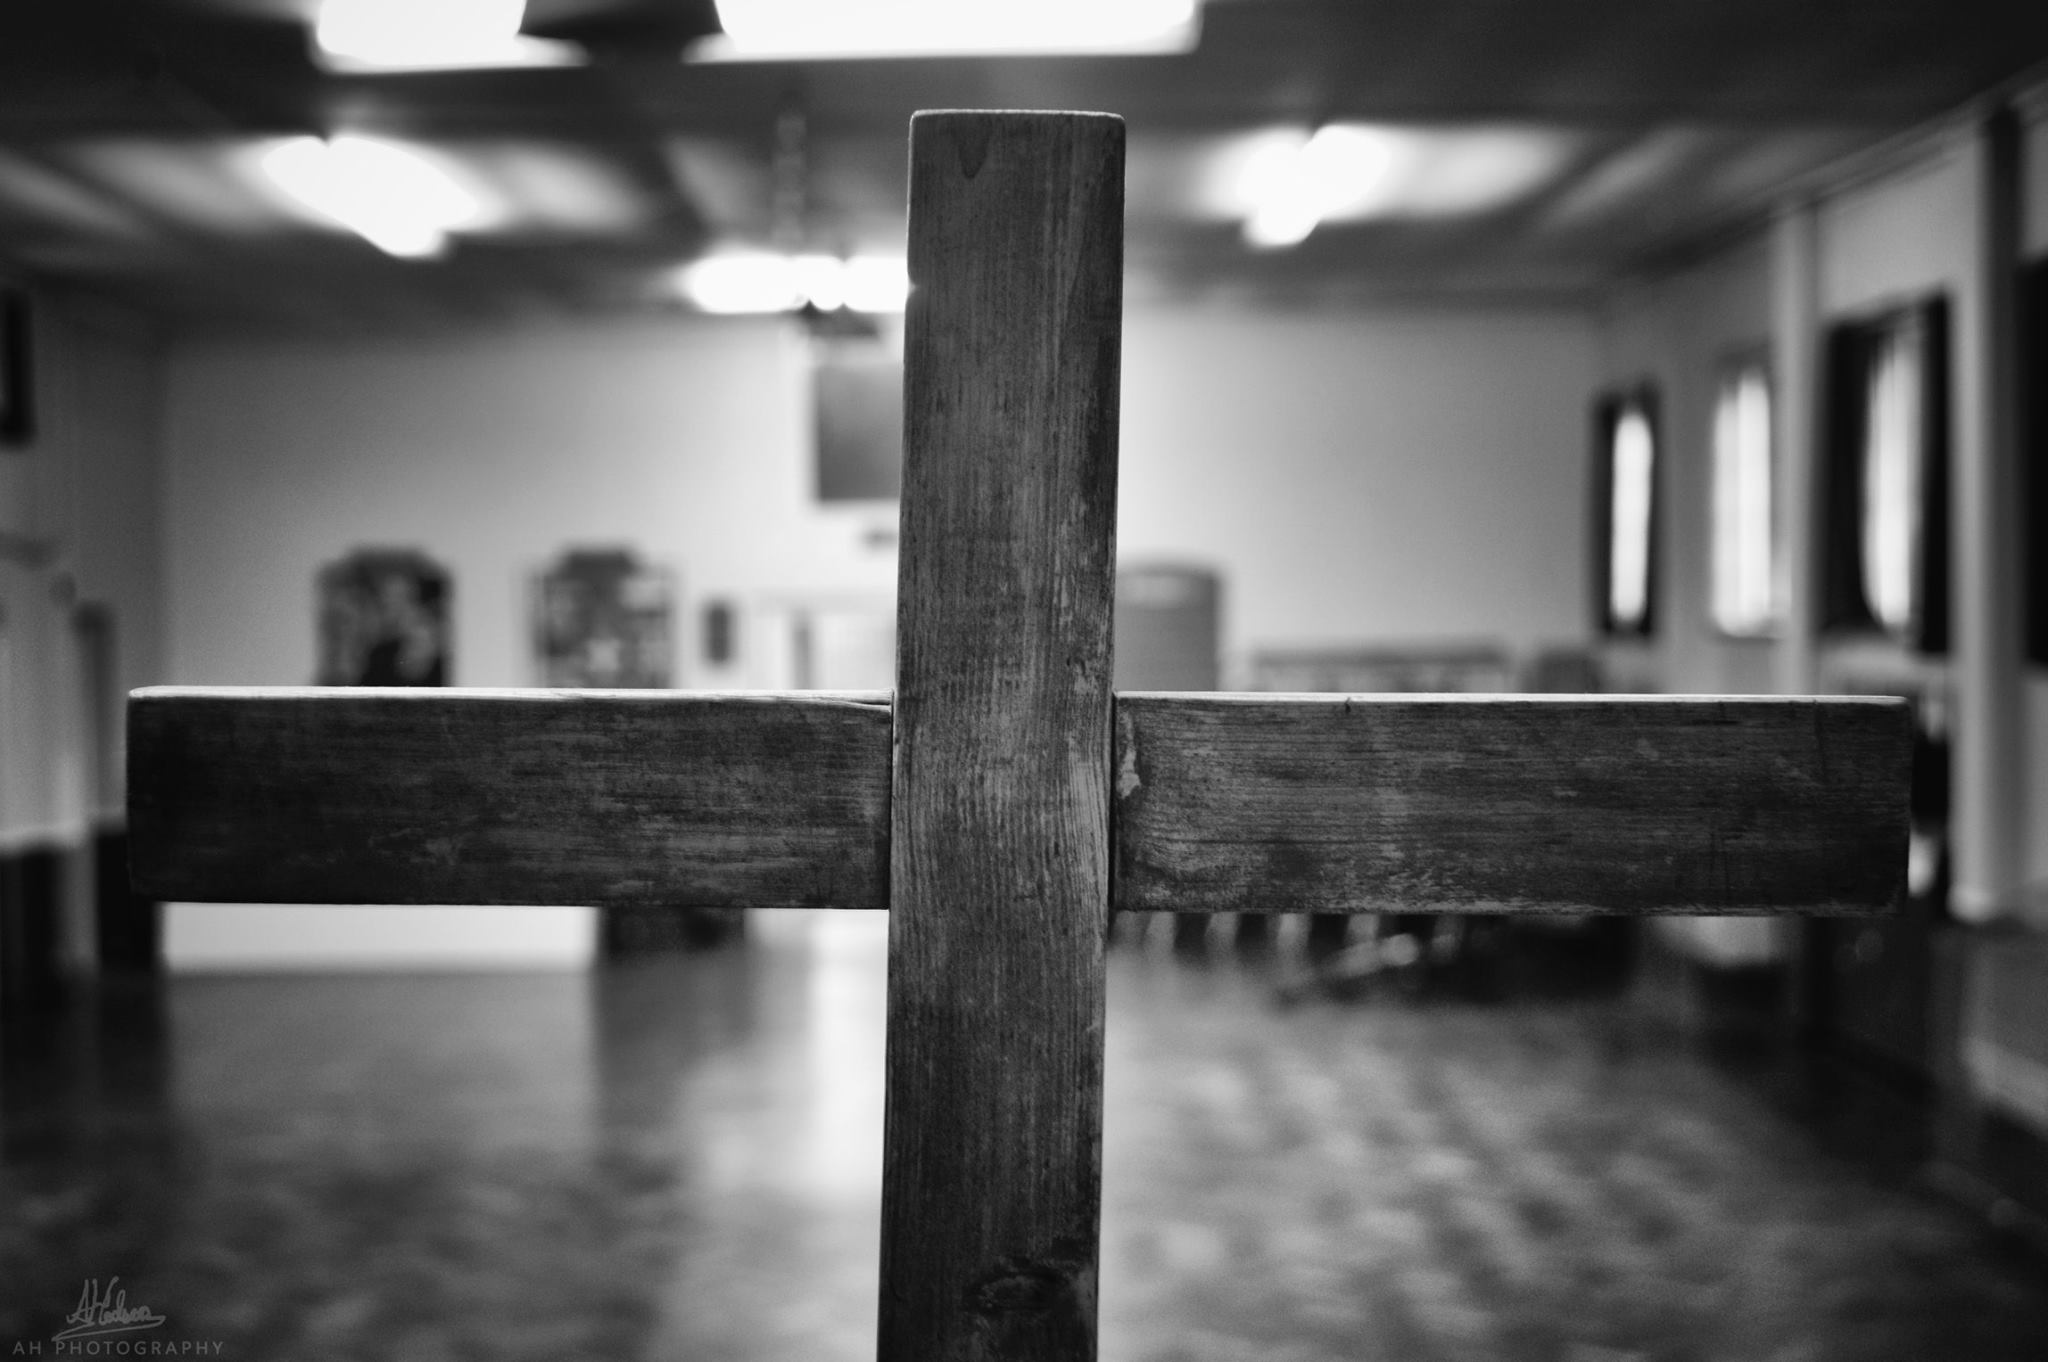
1853 348
1609 409
2033 440
1733 367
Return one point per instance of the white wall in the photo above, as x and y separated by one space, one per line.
1895 238
84 489
77 528
492 453
1356 477
1676 333
1362 478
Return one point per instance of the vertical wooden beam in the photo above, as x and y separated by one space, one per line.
999 855
1796 441
1796 430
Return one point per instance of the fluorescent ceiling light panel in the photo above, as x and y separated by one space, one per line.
394 197
1294 189
1283 182
422 35
876 283
769 30
740 282
820 280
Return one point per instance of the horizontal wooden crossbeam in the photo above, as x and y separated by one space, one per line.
332 795
1524 804
1511 804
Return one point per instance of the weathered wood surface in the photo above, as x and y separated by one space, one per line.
1244 803
312 795
1000 851
1518 804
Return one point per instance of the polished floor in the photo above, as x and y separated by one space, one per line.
679 1159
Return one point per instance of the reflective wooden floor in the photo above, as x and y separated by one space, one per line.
680 1160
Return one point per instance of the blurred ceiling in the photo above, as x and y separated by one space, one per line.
1550 145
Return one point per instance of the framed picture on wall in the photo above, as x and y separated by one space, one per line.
384 620
1625 475
1885 460
603 619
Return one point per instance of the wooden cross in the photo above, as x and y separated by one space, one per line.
1003 800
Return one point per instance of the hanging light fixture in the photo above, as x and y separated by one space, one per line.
740 281
825 289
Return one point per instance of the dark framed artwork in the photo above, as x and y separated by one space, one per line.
721 633
17 372
1626 449
1885 459
857 395
603 619
384 620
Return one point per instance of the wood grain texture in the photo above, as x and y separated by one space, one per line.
319 795
1000 851
1513 804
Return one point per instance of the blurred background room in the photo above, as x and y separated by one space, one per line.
1638 346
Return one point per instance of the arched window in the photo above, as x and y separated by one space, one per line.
1893 467
1625 487
1747 576
1887 495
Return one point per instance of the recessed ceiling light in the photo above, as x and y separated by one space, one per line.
414 35
1282 183
392 196
1295 189
742 281
757 30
